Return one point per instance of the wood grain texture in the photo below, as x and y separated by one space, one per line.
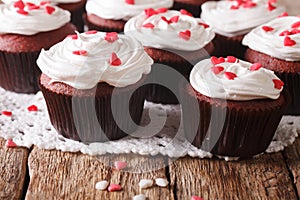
13 165
292 156
57 175
265 177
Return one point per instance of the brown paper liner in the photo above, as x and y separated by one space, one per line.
104 25
19 72
238 129
80 116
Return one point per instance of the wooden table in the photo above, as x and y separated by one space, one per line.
43 174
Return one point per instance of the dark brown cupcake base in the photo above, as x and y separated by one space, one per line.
230 128
288 72
93 115
94 22
193 6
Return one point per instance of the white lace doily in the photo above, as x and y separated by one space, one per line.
27 128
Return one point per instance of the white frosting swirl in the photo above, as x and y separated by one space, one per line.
55 2
119 9
271 43
37 20
166 36
248 85
84 72
234 22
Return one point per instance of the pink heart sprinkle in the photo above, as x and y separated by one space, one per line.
267 28
119 165
270 6
234 7
19 4
22 12
114 60
32 108
10 144
35 7
217 69
174 19
6 113
186 35
185 12
255 67
111 36
289 42
148 25
149 12
74 36
249 4
91 32
114 187
231 59
216 60
230 75
284 14
44 3
203 24
161 10
196 198
129 2
80 52
278 84
296 25
49 10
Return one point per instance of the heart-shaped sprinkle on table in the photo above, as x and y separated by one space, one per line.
289 41
230 75
6 113
80 52
217 69
114 187
119 165
267 28
148 25
32 108
185 12
111 36
10 144
278 84
129 2
49 9
196 198
186 35
255 67
115 60
216 60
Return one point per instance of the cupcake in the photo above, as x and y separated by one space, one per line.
75 7
24 31
232 19
111 15
232 107
276 45
193 6
175 41
91 82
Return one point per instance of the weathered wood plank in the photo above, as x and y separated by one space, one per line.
265 177
73 176
13 165
292 155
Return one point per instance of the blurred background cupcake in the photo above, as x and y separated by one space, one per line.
232 19
111 15
91 85
232 106
26 29
276 45
193 6
75 7
292 6
173 39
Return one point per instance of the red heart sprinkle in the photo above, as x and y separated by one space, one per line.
196 198
44 3
148 25
185 34
278 84
185 12
295 31
34 7
91 32
29 4
249 4
284 14
119 165
32 108
19 4
114 60
80 52
285 33
267 28
203 24
10 144
129 2
49 9
74 36
272 1
270 6
289 42
296 25
164 19
111 36
161 10
149 12
234 7
22 12
231 59
114 187
255 67
216 60
6 113
230 75
174 19
217 69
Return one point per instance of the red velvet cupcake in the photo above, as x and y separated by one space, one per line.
37 27
193 6
232 108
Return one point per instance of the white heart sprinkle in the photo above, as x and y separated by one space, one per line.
102 185
145 183
162 182
139 197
